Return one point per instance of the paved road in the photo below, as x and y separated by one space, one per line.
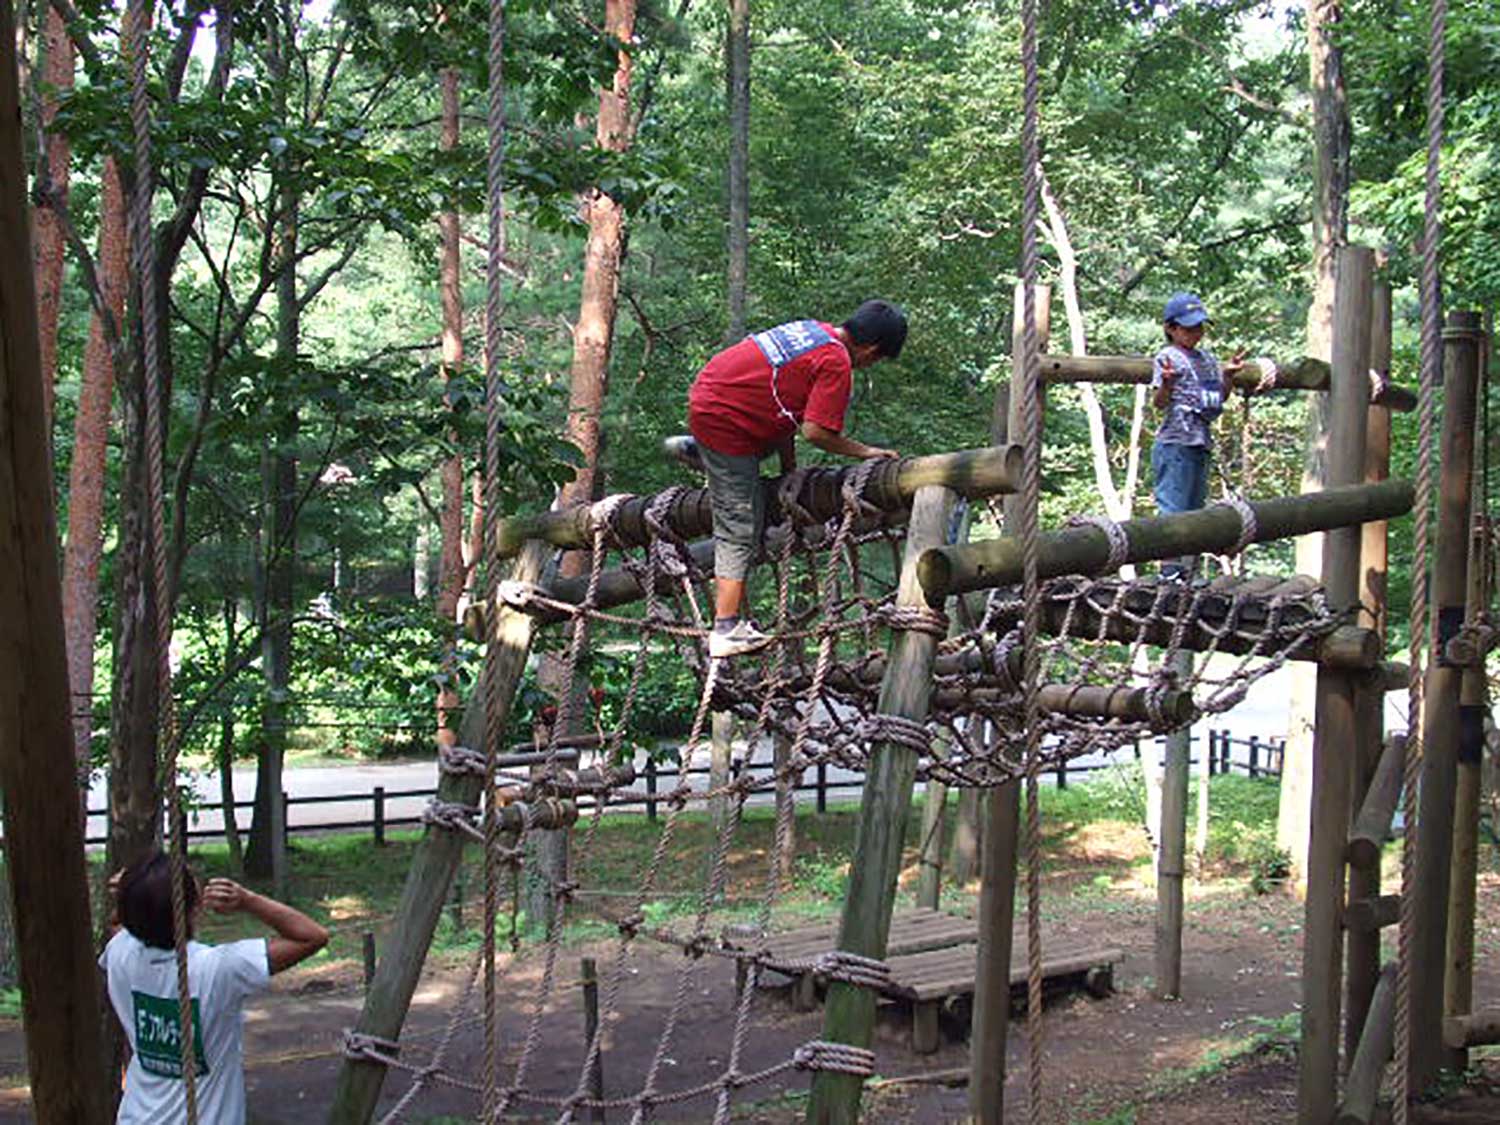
1262 713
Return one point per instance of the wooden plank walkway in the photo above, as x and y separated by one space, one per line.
932 958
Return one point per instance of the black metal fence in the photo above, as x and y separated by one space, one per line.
1253 757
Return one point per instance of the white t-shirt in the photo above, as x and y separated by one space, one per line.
143 990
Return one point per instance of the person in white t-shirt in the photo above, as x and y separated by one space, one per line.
141 964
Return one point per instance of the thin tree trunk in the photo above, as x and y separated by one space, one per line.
451 573
226 751
85 545
737 81
1331 148
592 337
48 243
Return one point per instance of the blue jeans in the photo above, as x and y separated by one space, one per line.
1181 476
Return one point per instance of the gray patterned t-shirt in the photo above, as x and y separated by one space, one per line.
1197 395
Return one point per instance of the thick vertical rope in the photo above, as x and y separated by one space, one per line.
493 723
1030 535
1421 623
143 265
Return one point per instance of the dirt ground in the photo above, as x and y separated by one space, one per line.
1218 1055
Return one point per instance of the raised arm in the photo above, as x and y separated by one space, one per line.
297 938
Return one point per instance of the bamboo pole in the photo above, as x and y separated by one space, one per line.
43 831
849 1015
1362 956
1335 727
1302 374
1085 549
1371 1054
432 868
1000 809
1172 854
1458 987
1440 720
986 471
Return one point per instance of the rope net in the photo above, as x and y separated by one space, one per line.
1105 678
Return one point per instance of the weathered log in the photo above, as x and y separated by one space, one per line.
1471 645
1362 1086
987 471
1369 915
1478 1029
1302 374
1373 824
1085 549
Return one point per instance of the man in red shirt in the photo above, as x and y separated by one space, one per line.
749 401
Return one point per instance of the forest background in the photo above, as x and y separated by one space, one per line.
321 270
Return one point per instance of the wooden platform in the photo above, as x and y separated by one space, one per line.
932 957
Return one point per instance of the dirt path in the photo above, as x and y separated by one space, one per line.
1241 959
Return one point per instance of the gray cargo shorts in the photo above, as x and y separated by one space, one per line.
739 508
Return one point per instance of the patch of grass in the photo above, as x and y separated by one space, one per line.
1125 1115
1276 1036
10 1003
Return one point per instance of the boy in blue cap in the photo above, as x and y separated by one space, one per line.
1189 386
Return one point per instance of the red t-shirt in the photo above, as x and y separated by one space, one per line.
731 407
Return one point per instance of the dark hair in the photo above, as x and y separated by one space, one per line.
146 900
880 323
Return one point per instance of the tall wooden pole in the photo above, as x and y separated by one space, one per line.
1440 719
1335 728
432 868
1001 817
1458 987
1171 859
43 832
1362 958
849 1016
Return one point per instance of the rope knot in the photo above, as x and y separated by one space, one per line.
1249 525
915 619
1114 535
696 946
449 815
461 760
840 1057
630 925
1268 374
516 594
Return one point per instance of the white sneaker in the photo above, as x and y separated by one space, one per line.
743 638
684 449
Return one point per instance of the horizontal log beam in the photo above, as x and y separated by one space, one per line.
975 473
1481 1029
1084 549
1302 374
1367 915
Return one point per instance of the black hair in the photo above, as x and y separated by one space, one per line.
880 323
146 900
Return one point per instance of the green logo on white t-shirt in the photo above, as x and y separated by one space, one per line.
158 1035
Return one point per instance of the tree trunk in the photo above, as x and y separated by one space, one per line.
85 544
266 854
592 336
48 243
451 572
226 750
737 81
1331 145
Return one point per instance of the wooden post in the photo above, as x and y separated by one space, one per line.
1371 1054
1172 856
1362 959
849 1014
822 786
377 798
721 753
1440 714
1254 756
1372 824
589 982
433 864
1458 985
1335 727
43 831
786 799
999 842
651 789
368 946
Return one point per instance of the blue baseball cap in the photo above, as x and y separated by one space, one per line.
1185 309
